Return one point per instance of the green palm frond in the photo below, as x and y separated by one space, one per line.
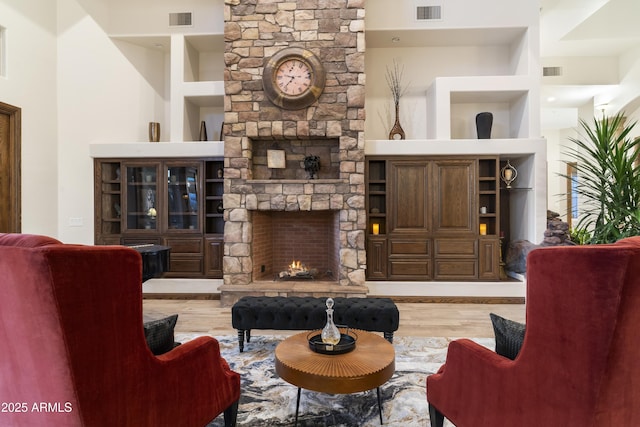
608 183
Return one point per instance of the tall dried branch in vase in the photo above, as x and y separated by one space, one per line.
394 80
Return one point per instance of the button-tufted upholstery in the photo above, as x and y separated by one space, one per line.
306 313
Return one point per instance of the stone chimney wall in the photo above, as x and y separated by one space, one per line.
334 31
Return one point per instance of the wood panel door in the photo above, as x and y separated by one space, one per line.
409 189
454 193
10 209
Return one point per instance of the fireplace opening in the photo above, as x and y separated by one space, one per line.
298 246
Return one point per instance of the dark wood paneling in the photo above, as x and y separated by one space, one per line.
377 258
409 247
213 250
456 247
454 196
185 245
456 269
418 269
409 183
489 259
184 266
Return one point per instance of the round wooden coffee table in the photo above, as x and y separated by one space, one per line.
368 366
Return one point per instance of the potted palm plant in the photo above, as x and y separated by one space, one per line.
608 179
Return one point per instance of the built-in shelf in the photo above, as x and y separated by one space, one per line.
195 81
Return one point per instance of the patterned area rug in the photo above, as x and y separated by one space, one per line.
267 400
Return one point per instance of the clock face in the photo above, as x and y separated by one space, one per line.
293 77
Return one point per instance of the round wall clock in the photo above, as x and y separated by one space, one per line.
293 78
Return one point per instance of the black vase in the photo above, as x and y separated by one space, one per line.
484 121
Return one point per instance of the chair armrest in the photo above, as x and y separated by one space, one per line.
196 371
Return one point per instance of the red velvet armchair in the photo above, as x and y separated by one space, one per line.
579 364
73 347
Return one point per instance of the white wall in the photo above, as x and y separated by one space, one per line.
102 97
31 85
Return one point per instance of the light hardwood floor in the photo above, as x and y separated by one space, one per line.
416 319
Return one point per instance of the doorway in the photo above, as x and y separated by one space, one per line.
10 139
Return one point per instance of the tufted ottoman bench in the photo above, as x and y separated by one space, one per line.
307 313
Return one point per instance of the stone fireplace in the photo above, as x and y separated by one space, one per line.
263 203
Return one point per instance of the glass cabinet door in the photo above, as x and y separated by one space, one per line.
142 190
183 197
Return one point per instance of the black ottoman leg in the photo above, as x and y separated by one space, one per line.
241 339
389 336
248 334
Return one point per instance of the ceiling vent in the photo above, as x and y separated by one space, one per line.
551 71
180 19
428 13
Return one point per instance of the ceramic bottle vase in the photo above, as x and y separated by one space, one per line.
396 130
203 131
484 122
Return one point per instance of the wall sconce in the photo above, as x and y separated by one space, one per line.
508 174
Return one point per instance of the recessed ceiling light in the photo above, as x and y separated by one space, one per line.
551 99
395 39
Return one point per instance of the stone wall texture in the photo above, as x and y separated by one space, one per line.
334 31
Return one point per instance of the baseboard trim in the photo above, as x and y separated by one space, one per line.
456 300
181 296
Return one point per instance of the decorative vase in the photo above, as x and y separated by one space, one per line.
330 333
396 130
203 131
220 208
154 132
484 121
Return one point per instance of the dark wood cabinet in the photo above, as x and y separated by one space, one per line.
433 218
172 202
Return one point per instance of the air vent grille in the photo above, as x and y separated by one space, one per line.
428 13
551 71
181 19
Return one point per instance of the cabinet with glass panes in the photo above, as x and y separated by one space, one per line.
171 202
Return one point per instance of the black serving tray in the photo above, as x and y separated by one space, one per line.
347 343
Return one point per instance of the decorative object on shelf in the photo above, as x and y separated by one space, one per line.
312 166
330 333
154 132
484 122
276 159
483 210
203 131
293 78
220 208
220 173
375 228
508 174
483 229
394 80
222 132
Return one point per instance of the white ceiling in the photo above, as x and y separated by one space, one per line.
579 29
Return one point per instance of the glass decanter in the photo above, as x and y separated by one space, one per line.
330 333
